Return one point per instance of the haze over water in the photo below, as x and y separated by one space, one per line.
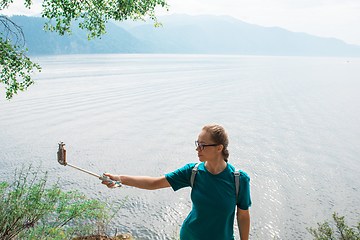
293 124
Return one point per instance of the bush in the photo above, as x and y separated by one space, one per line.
29 210
343 232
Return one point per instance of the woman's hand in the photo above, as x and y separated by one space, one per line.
115 178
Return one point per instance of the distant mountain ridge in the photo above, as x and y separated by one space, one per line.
202 34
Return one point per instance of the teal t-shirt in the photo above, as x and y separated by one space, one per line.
214 200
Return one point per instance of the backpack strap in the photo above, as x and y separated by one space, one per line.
237 182
193 174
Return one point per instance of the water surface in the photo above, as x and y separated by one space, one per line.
293 124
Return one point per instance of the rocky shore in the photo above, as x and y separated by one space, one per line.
126 236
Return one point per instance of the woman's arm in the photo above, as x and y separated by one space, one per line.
243 219
144 182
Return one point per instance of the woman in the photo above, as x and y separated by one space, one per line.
213 194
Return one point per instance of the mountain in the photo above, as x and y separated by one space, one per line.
228 35
203 34
39 42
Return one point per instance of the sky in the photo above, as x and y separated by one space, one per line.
324 18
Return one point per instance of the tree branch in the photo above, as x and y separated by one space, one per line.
12 31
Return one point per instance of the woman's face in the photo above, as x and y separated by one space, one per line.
209 152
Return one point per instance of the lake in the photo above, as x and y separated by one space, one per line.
293 125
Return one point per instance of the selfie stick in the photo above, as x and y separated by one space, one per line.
61 156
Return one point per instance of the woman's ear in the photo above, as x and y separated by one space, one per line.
219 148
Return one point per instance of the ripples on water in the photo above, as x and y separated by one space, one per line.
292 122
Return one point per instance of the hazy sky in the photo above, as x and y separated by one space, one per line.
325 18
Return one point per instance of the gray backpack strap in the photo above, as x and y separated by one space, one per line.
237 183
193 174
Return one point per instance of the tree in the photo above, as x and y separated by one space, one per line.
91 15
14 63
342 231
31 210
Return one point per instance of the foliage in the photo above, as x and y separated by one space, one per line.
175 235
29 210
343 232
91 15
94 14
14 64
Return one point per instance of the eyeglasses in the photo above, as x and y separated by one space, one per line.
201 146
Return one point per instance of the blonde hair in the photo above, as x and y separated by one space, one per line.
219 136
